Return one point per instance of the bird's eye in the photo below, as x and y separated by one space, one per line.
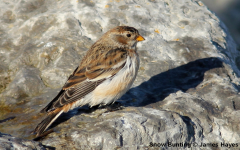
128 35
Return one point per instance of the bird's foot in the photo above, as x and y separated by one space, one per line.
114 107
110 107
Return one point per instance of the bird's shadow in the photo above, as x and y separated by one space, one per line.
158 87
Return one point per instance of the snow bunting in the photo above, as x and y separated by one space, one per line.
104 75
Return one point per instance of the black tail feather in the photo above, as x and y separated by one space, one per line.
43 126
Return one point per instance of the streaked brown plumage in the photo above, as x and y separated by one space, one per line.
106 72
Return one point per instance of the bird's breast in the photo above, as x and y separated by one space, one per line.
113 88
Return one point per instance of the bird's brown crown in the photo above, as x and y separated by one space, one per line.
122 36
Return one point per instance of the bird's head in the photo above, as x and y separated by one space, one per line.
123 36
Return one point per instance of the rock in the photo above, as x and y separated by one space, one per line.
186 91
27 82
9 142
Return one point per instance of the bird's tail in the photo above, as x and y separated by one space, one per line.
41 127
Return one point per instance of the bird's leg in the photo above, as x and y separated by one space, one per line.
114 107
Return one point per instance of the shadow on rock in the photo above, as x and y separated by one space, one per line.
158 87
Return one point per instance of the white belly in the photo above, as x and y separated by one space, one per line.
113 88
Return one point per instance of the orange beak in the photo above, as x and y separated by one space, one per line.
140 38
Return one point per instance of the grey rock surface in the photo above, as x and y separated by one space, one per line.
186 91
8 142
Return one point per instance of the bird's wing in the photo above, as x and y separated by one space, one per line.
88 76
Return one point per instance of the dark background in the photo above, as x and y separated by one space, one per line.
229 12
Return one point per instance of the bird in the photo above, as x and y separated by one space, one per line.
105 73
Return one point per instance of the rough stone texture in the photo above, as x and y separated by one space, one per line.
187 88
8 142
